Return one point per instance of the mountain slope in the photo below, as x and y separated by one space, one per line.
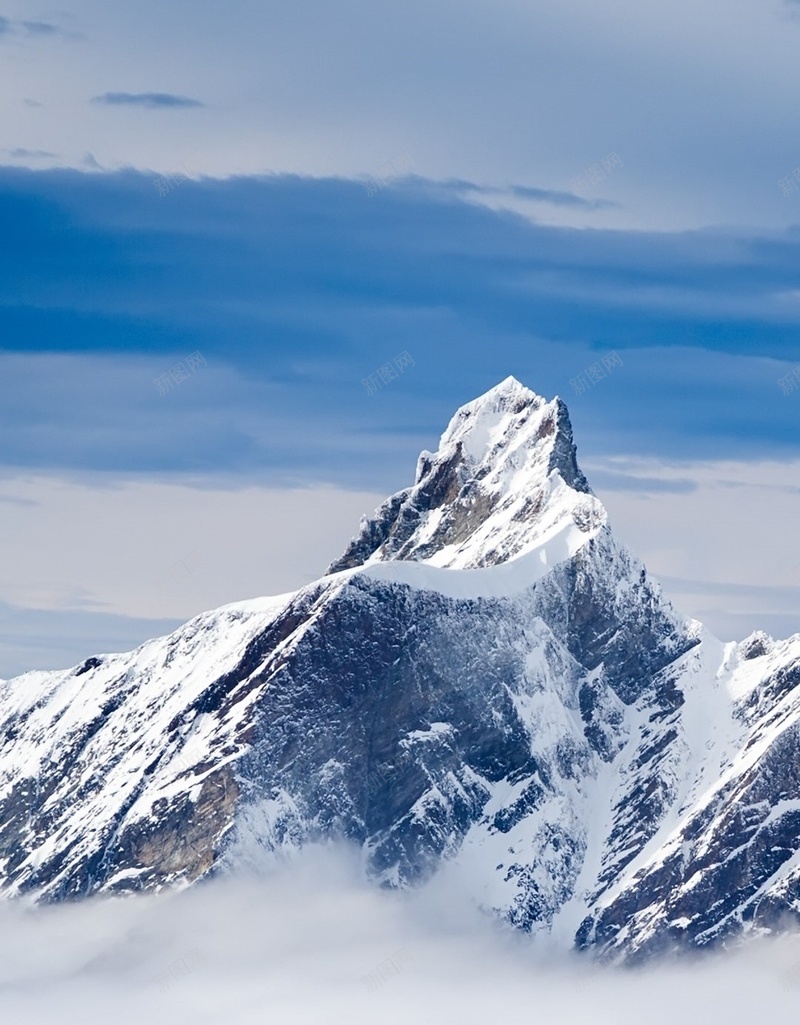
485 683
729 860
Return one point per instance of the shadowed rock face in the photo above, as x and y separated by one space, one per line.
730 868
549 728
402 712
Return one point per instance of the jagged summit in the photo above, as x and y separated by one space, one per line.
494 420
504 480
508 395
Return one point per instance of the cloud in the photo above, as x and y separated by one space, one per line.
31 28
293 295
308 941
778 595
734 610
610 481
17 500
724 548
34 154
40 28
291 291
530 94
555 197
59 638
149 100
562 198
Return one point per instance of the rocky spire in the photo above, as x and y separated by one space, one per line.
504 477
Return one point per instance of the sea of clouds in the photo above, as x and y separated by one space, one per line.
309 941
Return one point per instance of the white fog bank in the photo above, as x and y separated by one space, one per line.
310 942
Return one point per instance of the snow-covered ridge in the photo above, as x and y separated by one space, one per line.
563 540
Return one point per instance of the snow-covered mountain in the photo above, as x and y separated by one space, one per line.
486 683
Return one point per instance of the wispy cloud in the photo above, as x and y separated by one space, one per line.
16 500
555 197
149 100
30 154
561 198
610 481
40 28
781 597
31 28
32 638
733 610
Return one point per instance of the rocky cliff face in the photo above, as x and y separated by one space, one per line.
486 683
727 859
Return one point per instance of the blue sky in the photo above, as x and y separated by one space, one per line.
575 181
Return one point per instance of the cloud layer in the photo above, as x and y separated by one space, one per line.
309 942
694 98
295 291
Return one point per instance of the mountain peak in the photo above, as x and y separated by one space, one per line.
508 390
495 421
503 481
473 422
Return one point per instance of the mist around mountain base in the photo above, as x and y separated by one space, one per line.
308 940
